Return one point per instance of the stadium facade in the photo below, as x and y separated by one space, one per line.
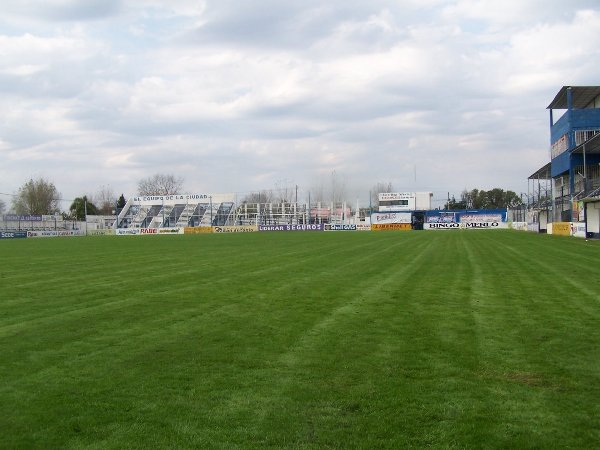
566 190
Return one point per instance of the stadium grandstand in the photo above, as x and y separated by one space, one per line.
206 210
565 192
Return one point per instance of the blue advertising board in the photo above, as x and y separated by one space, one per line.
465 219
466 216
13 234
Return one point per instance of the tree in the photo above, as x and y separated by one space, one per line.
338 188
264 196
495 198
284 193
2 206
80 206
37 197
121 202
454 204
160 184
380 188
316 193
105 200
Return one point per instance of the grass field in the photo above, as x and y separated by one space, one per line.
470 339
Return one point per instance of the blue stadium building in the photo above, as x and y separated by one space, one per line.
568 187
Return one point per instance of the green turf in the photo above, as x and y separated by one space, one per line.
450 339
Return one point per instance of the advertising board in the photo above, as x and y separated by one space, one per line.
304 227
391 217
104 232
59 233
391 227
578 229
127 231
236 229
340 227
465 226
170 230
13 234
561 228
197 230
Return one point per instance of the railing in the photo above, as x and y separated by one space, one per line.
582 136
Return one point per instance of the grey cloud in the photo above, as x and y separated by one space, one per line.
275 24
72 10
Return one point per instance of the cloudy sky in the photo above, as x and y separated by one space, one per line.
235 96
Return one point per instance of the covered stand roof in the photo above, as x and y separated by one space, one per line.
541 174
582 96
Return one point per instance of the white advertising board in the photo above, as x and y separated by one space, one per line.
465 226
390 217
58 233
181 198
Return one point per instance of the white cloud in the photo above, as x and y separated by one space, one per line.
236 96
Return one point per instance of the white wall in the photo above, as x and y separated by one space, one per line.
593 217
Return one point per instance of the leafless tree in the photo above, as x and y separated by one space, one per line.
379 188
338 188
37 197
160 184
317 191
105 200
284 192
264 196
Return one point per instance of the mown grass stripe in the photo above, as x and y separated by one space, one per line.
309 340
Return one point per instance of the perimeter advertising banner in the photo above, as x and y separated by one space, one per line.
13 234
578 229
236 229
127 231
62 233
149 231
465 226
340 227
391 227
105 232
391 217
170 230
470 219
305 227
561 228
197 230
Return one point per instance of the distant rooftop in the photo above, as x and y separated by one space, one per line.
582 96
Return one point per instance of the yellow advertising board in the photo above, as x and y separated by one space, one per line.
561 228
391 226
197 230
105 232
236 229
